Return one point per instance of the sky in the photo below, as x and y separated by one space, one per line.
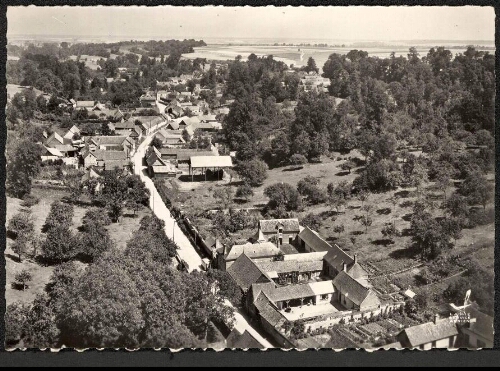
329 23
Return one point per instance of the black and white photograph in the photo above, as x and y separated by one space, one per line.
219 177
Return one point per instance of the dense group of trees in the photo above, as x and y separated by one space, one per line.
49 74
132 298
47 68
438 102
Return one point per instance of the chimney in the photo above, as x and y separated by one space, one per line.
344 267
436 318
355 258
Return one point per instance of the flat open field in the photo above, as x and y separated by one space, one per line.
292 54
119 232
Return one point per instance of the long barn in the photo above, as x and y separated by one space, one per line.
209 162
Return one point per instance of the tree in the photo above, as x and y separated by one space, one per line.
15 322
312 221
60 245
60 215
311 66
452 227
137 193
443 178
114 193
389 231
41 329
254 172
72 180
342 190
25 103
308 187
477 189
456 205
225 286
21 224
22 166
23 244
23 278
95 216
244 191
366 221
348 165
379 176
314 125
336 202
224 195
157 143
93 242
282 197
60 286
339 228
103 308
428 235
418 175
362 195
186 136
304 184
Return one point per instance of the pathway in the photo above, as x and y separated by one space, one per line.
241 324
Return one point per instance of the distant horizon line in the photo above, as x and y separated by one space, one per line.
158 37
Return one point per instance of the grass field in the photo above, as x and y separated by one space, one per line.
120 233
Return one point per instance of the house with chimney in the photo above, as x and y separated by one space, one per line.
285 230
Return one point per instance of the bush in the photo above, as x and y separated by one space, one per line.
244 191
30 200
297 160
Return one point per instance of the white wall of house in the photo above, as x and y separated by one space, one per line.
71 161
90 160
443 343
48 158
323 299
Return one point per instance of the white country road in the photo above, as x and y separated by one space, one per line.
186 250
